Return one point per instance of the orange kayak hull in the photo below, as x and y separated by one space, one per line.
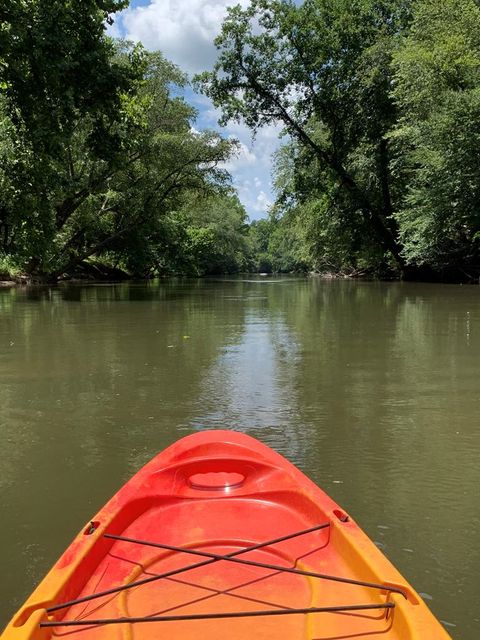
221 537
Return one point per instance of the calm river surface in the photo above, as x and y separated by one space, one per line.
372 389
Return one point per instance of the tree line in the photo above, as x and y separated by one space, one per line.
102 168
380 101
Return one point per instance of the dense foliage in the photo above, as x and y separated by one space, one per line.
98 152
438 134
380 99
100 162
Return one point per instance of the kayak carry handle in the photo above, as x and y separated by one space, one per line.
221 474
341 515
216 480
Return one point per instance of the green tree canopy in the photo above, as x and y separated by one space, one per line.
102 150
57 65
216 228
437 88
323 69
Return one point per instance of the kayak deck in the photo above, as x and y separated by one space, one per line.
289 548
223 586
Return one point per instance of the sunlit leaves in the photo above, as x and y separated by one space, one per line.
322 69
438 136
97 147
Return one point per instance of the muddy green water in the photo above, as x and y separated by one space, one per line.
371 389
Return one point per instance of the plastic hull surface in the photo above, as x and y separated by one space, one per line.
217 493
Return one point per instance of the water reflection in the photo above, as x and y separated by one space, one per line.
372 389
250 385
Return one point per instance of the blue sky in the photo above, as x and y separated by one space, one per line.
184 31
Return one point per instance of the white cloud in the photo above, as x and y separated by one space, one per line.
257 202
262 203
242 158
253 179
113 28
266 140
183 30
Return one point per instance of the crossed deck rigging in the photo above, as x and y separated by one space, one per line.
213 558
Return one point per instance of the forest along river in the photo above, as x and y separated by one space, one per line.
372 389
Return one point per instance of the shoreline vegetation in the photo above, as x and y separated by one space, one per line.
98 273
104 174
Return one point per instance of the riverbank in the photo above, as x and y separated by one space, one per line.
97 272
85 272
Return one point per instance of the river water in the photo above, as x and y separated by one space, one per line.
372 389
